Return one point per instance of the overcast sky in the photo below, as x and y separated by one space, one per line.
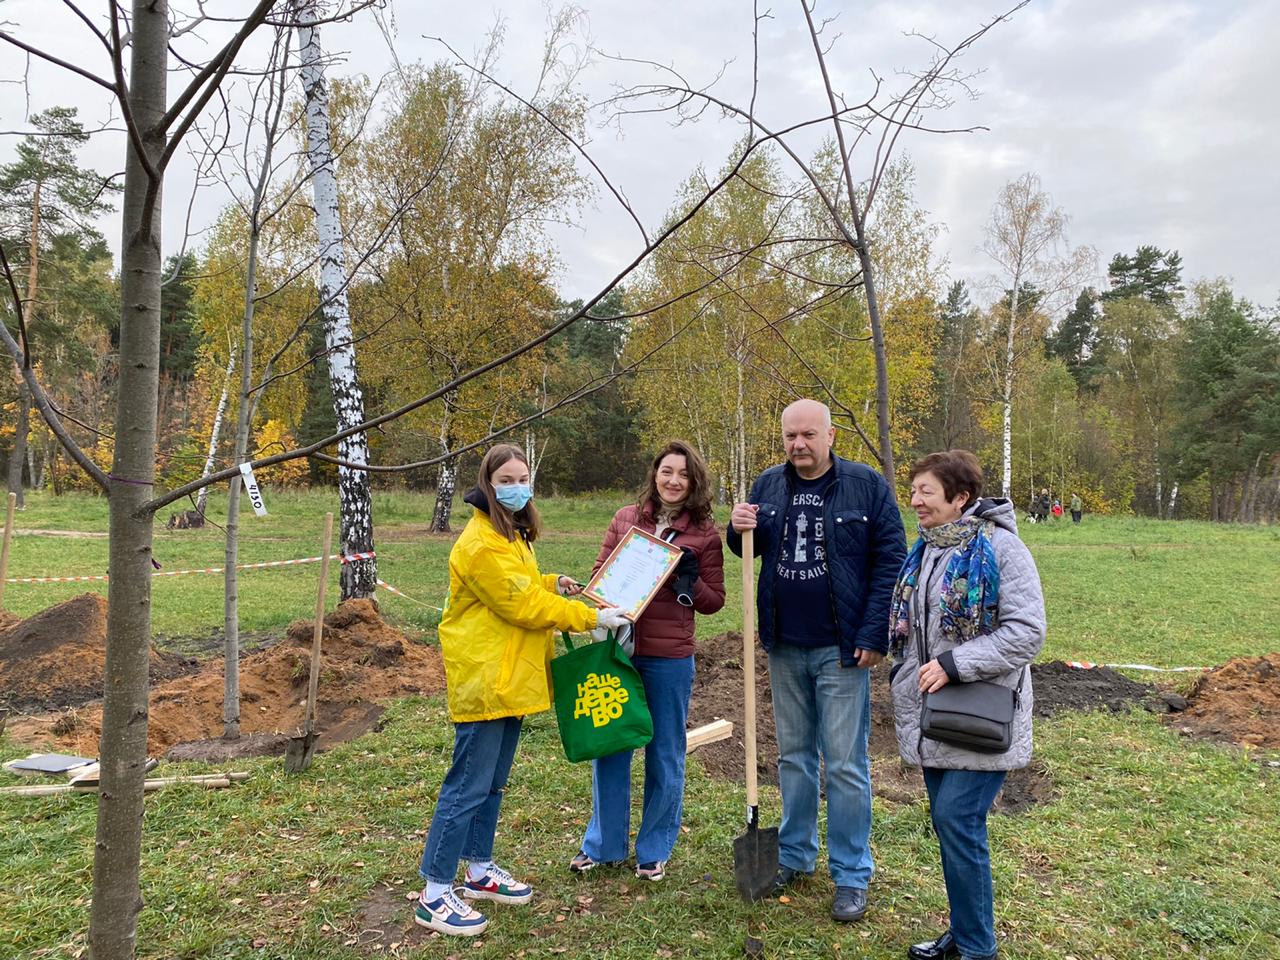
1147 122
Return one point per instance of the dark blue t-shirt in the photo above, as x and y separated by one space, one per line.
805 614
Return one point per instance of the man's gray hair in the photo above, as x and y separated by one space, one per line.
804 401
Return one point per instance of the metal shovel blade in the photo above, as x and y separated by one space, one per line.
297 756
755 862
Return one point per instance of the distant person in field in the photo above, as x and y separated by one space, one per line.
1057 509
1040 506
674 504
830 539
496 639
967 606
1077 508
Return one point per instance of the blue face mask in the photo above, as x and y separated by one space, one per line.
514 496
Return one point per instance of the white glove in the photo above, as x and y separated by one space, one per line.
611 618
624 635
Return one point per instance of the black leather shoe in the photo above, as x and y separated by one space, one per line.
785 877
944 948
849 905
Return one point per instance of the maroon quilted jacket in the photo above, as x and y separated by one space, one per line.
665 629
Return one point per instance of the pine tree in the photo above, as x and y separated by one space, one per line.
1151 273
1076 338
45 195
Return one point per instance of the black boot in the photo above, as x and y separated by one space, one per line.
944 948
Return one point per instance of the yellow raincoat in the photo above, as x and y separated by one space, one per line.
496 631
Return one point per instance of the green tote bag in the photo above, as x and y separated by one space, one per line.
599 701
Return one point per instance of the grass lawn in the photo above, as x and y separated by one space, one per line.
1154 846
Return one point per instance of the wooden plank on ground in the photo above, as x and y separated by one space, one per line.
707 733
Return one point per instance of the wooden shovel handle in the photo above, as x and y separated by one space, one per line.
318 631
749 659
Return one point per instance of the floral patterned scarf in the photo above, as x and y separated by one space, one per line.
970 584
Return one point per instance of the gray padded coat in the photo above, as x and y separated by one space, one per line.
1002 656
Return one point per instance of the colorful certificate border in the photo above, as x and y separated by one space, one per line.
591 589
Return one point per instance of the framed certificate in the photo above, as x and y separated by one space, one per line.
633 573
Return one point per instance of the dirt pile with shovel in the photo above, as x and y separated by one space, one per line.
57 658
365 663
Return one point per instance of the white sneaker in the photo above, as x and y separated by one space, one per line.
450 915
497 885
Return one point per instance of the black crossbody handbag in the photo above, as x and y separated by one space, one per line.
977 715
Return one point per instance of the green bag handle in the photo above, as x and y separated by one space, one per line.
568 644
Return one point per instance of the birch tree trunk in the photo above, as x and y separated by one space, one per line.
359 577
215 434
117 897
1006 397
447 478
446 484
531 451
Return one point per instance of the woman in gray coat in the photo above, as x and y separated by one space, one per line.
969 594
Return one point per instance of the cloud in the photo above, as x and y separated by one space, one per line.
1148 122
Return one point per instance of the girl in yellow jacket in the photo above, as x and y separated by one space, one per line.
496 637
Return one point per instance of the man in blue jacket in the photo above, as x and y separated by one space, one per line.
831 541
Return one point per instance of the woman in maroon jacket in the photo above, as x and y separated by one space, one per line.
674 504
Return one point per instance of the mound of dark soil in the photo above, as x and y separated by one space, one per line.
1238 702
365 662
1057 686
57 657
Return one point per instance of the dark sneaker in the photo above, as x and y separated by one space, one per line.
786 876
850 904
499 886
652 871
450 915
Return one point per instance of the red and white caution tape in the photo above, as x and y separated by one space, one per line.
344 558
399 593
1086 665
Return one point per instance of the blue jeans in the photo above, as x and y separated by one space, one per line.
820 707
958 803
668 683
466 816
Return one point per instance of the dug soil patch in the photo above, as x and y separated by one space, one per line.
57 658
365 662
1057 686
1238 702
717 694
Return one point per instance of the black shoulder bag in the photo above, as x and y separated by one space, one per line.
977 715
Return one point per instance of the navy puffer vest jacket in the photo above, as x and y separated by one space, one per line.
865 549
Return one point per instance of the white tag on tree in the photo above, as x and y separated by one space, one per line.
252 491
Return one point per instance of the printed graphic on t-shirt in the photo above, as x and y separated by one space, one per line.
804 552
803 588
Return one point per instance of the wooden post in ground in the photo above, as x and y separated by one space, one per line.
4 551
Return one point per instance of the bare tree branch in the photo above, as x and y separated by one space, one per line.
56 61
559 128
156 503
